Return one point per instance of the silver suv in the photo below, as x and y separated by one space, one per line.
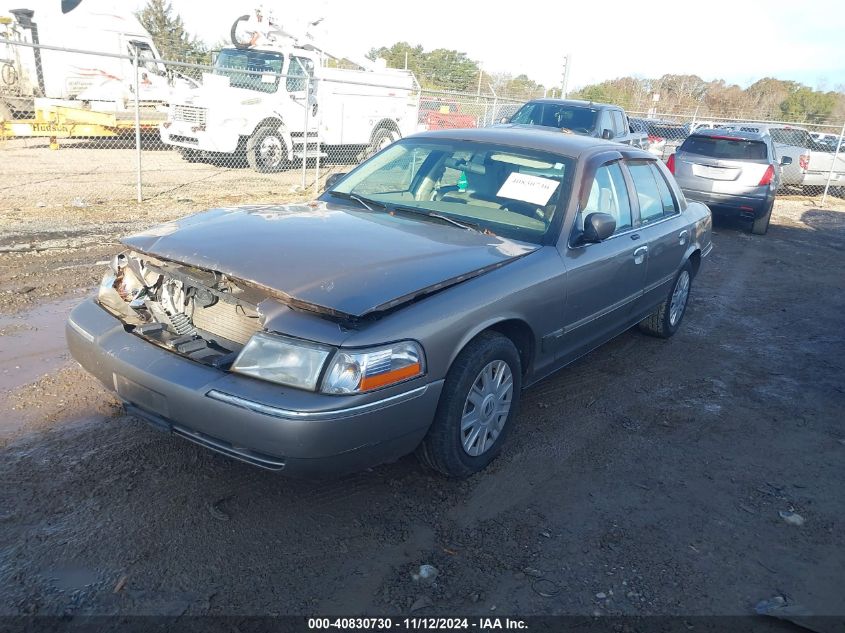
735 173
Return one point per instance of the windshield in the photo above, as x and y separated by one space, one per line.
716 147
575 118
511 192
264 66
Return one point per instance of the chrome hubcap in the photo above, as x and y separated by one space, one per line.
270 151
486 408
679 298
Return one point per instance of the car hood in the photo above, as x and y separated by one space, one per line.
330 258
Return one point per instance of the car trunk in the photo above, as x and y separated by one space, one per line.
721 164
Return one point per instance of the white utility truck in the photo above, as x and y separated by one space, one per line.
97 82
279 100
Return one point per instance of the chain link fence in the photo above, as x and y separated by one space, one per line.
262 126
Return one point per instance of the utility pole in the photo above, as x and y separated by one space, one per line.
564 80
480 75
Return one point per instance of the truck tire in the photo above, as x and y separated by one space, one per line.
383 138
266 150
234 32
458 445
761 224
666 320
190 155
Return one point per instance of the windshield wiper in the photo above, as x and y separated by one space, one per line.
468 226
367 203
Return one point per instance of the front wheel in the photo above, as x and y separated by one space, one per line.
266 150
190 155
666 320
476 410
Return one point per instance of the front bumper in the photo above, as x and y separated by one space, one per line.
730 204
272 426
180 134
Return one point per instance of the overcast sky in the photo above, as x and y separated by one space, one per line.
736 40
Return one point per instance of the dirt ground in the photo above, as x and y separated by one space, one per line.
647 478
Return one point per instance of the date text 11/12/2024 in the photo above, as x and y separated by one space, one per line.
415 624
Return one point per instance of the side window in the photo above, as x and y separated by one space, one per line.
619 123
665 193
608 194
298 72
648 194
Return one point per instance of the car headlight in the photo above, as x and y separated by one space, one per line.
282 360
364 370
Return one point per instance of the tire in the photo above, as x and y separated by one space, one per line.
663 322
760 226
443 448
233 34
381 139
266 150
190 155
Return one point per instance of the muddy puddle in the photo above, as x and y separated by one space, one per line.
33 344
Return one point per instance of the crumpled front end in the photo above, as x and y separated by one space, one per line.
199 314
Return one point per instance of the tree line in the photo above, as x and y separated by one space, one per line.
454 71
767 98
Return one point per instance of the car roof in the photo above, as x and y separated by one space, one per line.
723 133
765 126
535 138
574 102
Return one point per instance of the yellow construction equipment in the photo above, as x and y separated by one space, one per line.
64 121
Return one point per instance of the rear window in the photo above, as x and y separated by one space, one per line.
786 136
725 148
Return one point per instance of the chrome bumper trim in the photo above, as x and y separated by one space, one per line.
78 329
335 414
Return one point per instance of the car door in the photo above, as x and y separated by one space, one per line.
604 280
664 230
621 133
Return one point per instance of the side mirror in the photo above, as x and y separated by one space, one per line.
333 179
598 227
786 160
504 119
607 134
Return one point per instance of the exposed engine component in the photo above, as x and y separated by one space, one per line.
197 313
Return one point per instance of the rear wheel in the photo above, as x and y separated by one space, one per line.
383 138
266 150
761 224
666 320
476 409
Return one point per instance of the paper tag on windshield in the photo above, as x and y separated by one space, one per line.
527 188
267 78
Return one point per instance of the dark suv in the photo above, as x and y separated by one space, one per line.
599 120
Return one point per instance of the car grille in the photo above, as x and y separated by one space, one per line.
191 140
189 114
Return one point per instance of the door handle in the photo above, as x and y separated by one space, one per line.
683 236
639 254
